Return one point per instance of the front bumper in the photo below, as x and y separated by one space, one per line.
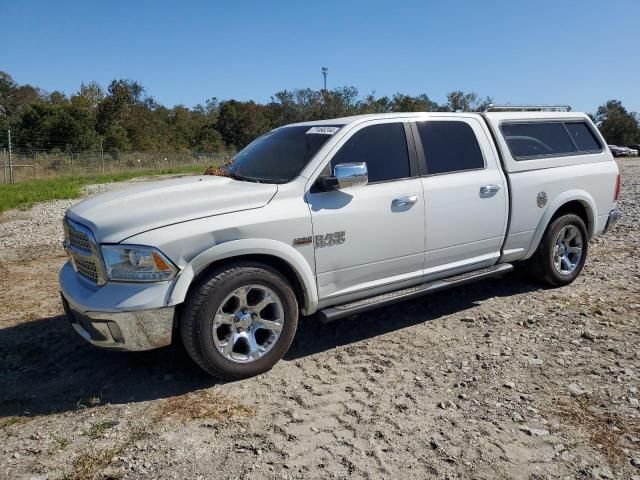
614 215
118 316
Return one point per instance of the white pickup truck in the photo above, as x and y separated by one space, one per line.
334 218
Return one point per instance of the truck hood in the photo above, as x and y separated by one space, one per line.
116 216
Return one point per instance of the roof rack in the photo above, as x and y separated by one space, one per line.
528 108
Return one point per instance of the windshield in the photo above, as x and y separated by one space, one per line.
280 155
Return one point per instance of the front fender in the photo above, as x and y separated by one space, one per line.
258 246
565 197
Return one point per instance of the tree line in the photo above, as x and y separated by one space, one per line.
124 117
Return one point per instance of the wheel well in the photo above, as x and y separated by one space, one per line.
575 207
274 262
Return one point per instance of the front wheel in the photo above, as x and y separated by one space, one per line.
562 252
240 320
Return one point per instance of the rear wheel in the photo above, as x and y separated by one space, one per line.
562 251
240 320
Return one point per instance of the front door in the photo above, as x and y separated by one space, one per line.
374 235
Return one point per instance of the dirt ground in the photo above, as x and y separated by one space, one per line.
499 379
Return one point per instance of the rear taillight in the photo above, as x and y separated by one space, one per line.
616 196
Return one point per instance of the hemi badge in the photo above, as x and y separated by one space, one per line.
302 241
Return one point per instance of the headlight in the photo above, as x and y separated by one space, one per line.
135 263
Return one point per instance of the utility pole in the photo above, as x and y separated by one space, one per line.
325 70
10 161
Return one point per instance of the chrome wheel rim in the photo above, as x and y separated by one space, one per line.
567 250
248 323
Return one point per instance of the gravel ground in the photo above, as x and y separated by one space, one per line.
41 226
500 379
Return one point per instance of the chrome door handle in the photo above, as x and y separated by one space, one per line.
404 201
487 191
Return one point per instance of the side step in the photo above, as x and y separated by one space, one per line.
350 309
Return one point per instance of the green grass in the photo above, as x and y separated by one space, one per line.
25 194
97 430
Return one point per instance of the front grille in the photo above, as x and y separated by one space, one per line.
79 240
87 269
83 251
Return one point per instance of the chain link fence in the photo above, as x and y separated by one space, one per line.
29 165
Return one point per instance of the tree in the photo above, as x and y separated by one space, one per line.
209 139
284 108
406 103
617 125
44 126
339 102
371 104
123 117
89 96
466 102
241 122
14 99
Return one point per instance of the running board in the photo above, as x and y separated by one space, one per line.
350 309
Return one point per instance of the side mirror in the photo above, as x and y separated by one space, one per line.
346 175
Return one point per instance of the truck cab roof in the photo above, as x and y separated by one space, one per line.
496 116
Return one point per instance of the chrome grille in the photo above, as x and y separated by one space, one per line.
83 251
87 269
79 240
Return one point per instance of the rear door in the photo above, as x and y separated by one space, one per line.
466 198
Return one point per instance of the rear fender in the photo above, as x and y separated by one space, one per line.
565 197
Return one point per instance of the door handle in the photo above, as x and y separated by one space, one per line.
404 201
487 191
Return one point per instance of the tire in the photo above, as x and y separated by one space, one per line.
574 239
233 338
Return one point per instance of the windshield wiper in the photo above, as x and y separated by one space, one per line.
241 178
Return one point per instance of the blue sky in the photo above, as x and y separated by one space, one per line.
183 52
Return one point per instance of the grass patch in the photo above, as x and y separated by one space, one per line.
88 464
607 431
25 194
97 430
59 443
8 421
204 404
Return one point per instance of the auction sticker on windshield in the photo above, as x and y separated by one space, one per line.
323 130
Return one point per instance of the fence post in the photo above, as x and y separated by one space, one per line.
4 165
101 156
10 162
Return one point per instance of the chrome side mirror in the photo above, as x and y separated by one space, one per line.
351 174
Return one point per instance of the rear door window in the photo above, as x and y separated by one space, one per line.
449 146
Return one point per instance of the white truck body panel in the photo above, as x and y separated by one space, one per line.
465 228
587 178
450 226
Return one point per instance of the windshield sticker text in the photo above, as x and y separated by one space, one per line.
322 130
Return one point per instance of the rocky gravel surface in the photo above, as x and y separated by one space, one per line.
499 379
41 226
